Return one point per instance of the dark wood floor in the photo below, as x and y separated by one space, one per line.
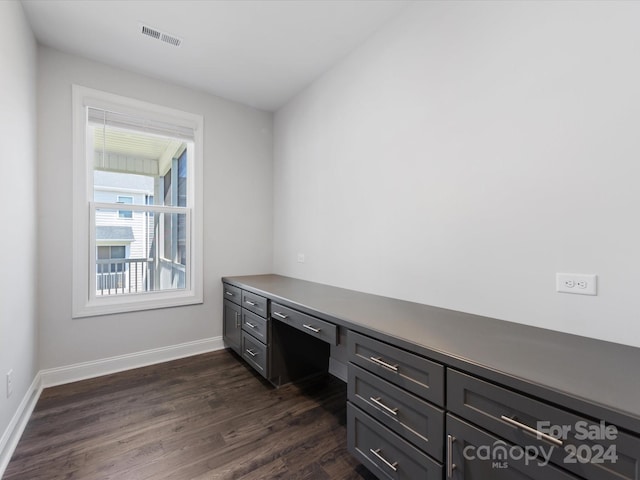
203 417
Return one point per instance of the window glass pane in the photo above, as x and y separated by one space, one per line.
137 168
141 265
108 187
133 160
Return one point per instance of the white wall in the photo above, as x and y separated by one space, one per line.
18 321
468 152
237 214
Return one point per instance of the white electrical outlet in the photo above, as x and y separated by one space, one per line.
9 383
578 283
301 258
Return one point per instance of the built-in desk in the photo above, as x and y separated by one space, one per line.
485 381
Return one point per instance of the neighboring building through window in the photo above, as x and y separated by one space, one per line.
148 158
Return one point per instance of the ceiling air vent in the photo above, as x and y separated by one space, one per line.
159 35
175 41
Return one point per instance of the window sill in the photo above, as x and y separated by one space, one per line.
127 303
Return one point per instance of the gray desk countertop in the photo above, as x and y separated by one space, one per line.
598 378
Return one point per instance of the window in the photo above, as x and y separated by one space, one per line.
147 157
127 201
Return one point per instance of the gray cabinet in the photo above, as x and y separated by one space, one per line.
300 344
232 293
255 325
393 426
231 325
474 454
425 402
386 454
245 326
403 412
591 449
255 353
254 303
325 331
400 367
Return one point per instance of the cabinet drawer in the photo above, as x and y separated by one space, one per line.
384 452
582 443
255 325
325 331
476 454
407 370
231 293
407 415
254 352
255 303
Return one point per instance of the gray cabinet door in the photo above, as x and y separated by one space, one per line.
386 454
232 325
474 454
584 446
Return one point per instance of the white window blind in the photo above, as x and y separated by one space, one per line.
99 117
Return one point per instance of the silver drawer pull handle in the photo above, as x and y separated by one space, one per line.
309 327
280 315
250 325
237 316
250 303
379 361
251 352
450 465
393 466
533 431
229 293
376 400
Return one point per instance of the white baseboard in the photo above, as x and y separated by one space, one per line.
82 371
16 426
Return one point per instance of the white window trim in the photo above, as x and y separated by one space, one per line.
84 301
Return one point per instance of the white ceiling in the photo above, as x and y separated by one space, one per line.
258 52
